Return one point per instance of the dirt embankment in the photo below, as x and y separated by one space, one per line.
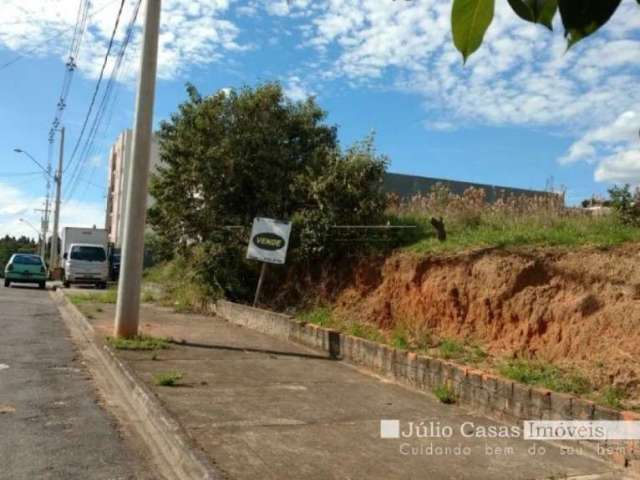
579 308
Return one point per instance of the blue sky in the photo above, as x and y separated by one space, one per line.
521 112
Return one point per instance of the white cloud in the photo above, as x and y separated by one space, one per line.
521 75
193 33
16 204
614 147
295 89
622 167
620 134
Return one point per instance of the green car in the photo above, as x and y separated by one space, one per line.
25 268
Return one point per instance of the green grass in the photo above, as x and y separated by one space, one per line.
173 284
324 317
451 349
168 379
604 231
321 316
107 296
445 394
141 342
612 397
546 375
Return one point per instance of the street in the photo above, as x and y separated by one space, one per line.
52 424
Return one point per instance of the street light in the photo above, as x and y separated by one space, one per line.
28 223
45 221
24 152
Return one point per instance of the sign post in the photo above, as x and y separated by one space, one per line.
268 244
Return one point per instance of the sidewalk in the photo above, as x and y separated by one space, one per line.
261 407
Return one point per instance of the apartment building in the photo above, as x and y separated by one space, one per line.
120 157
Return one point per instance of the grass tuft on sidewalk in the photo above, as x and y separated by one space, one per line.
108 296
141 342
168 379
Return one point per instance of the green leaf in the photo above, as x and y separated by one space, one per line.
469 22
536 11
583 17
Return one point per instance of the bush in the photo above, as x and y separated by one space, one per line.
230 157
168 379
445 394
546 375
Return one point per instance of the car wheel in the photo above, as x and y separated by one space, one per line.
66 284
7 283
42 285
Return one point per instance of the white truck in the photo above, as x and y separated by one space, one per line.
83 256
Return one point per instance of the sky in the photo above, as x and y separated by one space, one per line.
523 111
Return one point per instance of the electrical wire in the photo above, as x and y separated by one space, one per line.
89 145
51 39
97 88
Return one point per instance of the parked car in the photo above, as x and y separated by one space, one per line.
114 264
25 268
86 264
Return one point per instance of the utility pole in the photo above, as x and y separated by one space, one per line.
128 307
53 264
45 218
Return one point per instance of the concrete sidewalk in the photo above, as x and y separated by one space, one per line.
261 407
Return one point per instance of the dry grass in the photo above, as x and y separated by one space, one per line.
471 221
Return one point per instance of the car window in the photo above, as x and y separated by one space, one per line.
26 260
90 254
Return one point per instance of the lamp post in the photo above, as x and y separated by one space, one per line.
45 220
29 224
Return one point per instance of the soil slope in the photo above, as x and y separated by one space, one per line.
580 308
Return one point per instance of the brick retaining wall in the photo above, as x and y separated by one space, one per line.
490 394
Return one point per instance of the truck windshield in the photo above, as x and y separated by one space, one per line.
90 254
27 260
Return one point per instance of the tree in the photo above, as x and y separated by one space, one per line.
10 245
626 203
470 19
232 156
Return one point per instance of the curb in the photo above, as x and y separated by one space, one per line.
488 394
169 445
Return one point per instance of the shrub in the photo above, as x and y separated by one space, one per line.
168 379
546 375
229 157
445 394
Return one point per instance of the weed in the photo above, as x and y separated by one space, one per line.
154 357
400 338
99 309
612 397
445 394
451 349
319 316
108 296
472 222
364 331
140 342
167 379
546 375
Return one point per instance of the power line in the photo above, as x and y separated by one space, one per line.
70 66
51 39
89 145
98 83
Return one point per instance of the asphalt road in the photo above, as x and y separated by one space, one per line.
51 423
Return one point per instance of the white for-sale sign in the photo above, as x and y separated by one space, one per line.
269 240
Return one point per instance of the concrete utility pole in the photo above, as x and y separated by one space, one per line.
53 263
45 219
128 307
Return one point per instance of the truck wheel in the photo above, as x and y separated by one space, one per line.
42 285
7 283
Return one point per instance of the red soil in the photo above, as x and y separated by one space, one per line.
579 308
